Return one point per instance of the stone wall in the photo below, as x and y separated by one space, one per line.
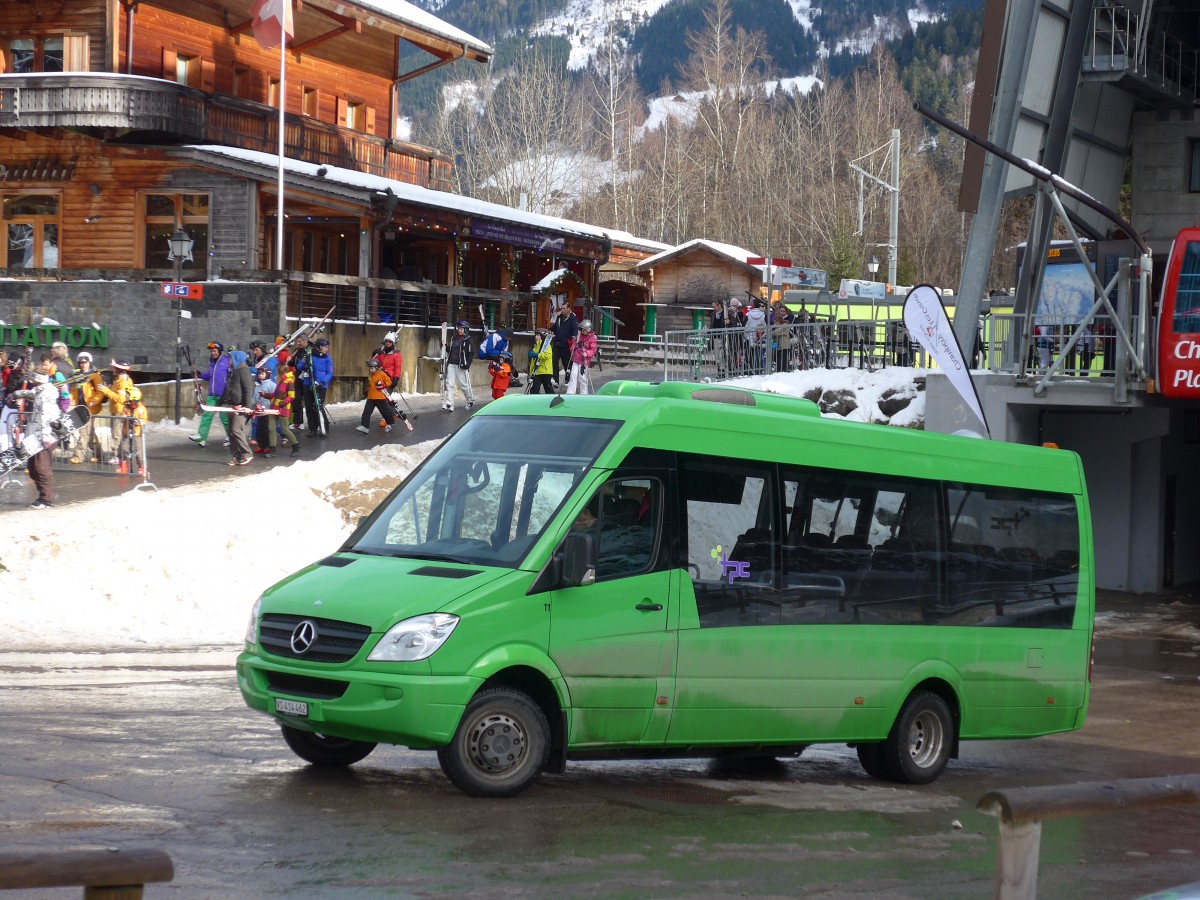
132 321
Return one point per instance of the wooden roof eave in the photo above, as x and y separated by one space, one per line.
354 200
443 47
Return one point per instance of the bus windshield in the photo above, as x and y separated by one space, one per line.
485 496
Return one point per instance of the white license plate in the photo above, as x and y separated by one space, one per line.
291 707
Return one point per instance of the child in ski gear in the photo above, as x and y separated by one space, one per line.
378 383
583 354
541 363
501 373
239 392
458 373
282 399
130 445
264 389
216 376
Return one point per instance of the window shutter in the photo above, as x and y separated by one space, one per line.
75 53
168 64
342 108
370 120
208 75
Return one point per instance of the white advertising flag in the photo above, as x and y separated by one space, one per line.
926 320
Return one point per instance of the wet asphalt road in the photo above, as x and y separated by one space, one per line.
157 750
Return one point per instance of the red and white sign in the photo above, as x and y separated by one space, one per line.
179 290
767 261
1179 320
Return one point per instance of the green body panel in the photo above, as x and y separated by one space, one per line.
628 677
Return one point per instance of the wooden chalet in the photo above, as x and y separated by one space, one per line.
122 121
685 280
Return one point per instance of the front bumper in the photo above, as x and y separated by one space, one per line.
414 710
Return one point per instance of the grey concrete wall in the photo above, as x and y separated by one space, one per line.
139 322
1161 203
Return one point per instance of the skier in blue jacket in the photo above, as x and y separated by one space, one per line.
216 376
322 377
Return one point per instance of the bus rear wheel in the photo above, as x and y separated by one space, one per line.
322 750
918 747
500 747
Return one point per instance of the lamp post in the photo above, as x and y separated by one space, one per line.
181 249
873 265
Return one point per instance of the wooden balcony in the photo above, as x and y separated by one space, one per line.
149 110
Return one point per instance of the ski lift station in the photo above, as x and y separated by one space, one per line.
1074 89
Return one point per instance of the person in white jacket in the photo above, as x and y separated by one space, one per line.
756 338
43 410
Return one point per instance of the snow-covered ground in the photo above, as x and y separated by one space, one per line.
181 567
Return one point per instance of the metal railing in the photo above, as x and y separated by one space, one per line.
106 445
718 354
1122 40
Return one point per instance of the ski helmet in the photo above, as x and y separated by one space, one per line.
83 356
259 344
462 323
216 345
390 336
322 342
372 364
135 395
585 325
120 365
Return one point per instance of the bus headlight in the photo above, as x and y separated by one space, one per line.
252 625
414 639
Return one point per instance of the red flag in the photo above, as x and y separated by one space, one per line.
272 22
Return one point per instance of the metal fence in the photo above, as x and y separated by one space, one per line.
717 354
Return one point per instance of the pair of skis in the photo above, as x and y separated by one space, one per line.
306 330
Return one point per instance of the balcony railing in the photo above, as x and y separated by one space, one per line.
114 106
1145 60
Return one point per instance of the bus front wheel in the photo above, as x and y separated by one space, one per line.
918 747
500 747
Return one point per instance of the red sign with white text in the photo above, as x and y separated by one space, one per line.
179 290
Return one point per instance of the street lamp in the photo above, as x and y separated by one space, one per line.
873 265
181 249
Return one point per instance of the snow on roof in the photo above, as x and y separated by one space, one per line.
550 278
737 254
402 11
425 196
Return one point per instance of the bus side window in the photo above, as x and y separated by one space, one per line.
629 523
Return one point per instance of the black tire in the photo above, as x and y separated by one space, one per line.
870 756
918 747
500 747
322 750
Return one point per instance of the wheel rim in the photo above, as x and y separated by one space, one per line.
926 739
496 743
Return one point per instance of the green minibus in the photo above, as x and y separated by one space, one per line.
673 570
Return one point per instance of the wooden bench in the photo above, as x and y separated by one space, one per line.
103 874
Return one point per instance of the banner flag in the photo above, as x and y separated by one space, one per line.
272 22
926 320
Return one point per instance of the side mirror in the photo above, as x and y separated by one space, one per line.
579 560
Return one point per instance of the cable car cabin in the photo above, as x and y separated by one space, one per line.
1179 319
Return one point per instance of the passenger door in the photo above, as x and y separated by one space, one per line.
611 639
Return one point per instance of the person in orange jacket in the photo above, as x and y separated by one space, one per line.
379 383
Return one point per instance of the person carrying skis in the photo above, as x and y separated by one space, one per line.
42 406
566 330
281 400
117 393
322 377
378 385
301 363
583 354
458 374
239 392
93 398
541 363
216 376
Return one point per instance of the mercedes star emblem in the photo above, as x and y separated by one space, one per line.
304 635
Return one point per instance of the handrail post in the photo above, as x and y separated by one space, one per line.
1017 860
